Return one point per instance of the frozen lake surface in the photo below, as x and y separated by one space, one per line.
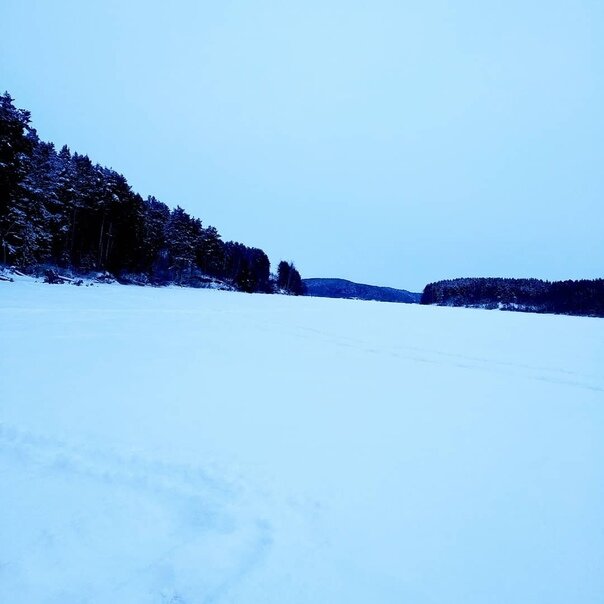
191 446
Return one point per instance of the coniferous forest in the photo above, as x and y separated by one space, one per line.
59 210
581 297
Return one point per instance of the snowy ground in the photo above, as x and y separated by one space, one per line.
189 446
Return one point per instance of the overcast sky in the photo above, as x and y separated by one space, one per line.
388 142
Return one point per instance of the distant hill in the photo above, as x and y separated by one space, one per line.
341 288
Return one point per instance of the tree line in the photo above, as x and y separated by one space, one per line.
581 297
58 208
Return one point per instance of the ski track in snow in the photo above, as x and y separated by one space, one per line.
196 499
554 375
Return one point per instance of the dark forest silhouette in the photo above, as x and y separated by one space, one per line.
59 209
582 297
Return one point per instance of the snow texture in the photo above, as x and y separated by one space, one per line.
191 446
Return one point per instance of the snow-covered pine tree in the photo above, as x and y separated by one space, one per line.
15 149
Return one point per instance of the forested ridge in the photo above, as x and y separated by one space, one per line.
59 209
580 297
342 288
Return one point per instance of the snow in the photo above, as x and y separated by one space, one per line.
187 446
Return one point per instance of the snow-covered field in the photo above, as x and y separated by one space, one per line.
189 446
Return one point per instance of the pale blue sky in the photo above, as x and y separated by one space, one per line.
388 142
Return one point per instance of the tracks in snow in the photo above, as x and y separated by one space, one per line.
109 526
